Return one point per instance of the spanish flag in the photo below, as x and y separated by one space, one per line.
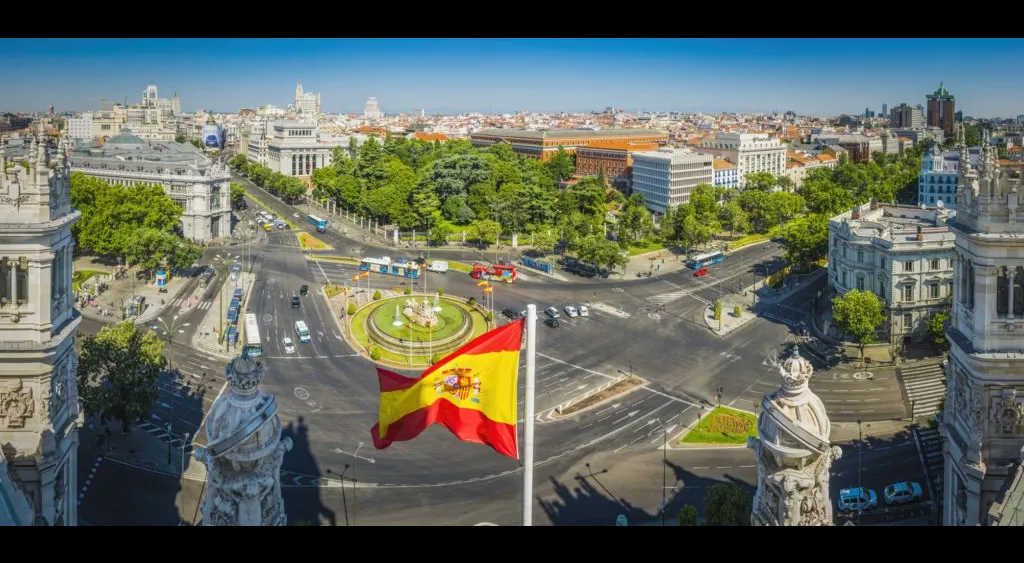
472 392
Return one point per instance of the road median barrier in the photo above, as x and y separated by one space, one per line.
598 396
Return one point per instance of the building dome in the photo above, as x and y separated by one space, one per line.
794 424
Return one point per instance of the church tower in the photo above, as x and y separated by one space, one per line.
39 416
983 414
298 91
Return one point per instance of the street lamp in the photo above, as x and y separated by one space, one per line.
184 442
169 429
169 331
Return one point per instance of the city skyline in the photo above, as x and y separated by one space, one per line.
818 77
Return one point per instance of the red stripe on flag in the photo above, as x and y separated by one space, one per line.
468 425
391 381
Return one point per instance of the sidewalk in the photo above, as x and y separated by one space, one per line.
119 292
205 337
752 302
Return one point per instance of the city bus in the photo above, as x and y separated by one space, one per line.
320 224
253 347
384 265
706 259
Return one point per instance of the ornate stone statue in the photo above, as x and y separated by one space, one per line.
16 405
244 453
794 454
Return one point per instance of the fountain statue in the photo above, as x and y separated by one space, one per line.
398 316
421 314
437 302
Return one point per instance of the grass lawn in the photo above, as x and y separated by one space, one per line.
460 267
341 259
81 276
723 426
332 290
755 238
310 242
418 361
649 247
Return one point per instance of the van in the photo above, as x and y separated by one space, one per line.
302 331
438 266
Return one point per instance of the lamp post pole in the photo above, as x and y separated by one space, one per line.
664 471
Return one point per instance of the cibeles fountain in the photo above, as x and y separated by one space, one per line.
794 453
244 452
420 313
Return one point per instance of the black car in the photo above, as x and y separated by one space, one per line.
296 302
511 314
553 323
304 290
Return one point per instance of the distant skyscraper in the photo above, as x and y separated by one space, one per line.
372 110
885 110
941 109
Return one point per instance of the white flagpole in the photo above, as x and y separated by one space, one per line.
531 376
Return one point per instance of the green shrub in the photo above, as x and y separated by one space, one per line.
376 295
375 353
435 358
489 316
351 308
718 310
688 515
407 290
738 311
440 291
472 301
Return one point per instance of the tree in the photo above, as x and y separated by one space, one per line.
760 181
938 331
688 515
179 138
118 371
197 144
561 166
727 504
858 314
351 309
806 239
486 231
237 193
544 241
439 233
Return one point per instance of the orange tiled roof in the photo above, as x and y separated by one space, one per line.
790 165
722 164
905 139
623 146
826 157
1015 149
431 136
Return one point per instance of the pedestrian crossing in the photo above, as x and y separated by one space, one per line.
160 432
666 298
183 302
931 449
925 386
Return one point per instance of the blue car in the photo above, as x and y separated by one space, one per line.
902 493
857 499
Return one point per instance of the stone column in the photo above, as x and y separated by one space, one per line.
1010 273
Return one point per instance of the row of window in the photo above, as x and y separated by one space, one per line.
907 292
908 265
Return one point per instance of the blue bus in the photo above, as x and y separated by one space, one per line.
400 267
320 224
702 260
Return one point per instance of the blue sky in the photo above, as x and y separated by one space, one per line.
809 76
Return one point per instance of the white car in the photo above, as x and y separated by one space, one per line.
289 346
296 215
571 311
584 312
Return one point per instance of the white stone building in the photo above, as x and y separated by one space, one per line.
295 149
750 152
39 416
256 137
794 454
80 128
982 423
902 254
244 452
199 186
667 176
307 104
372 110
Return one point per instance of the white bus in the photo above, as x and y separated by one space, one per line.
253 347
302 331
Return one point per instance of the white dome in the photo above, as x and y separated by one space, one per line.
793 423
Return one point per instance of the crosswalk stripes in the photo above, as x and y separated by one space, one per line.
161 433
782 320
666 298
925 386
931 449
181 302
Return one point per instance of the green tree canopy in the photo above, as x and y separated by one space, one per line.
858 314
727 504
118 372
806 238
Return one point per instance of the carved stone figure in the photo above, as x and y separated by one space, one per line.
16 405
244 453
794 454
1008 411
975 418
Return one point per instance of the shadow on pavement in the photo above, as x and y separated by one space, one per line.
588 502
691 489
302 499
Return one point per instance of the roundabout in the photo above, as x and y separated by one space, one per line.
414 331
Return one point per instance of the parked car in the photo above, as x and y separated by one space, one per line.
902 492
289 346
511 314
551 322
571 311
584 312
551 312
700 272
857 499
304 290
296 302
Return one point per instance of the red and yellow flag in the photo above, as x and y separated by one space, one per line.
472 392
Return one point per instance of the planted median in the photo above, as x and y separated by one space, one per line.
723 426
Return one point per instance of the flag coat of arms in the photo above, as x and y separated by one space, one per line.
471 392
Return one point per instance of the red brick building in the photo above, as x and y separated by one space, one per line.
613 158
